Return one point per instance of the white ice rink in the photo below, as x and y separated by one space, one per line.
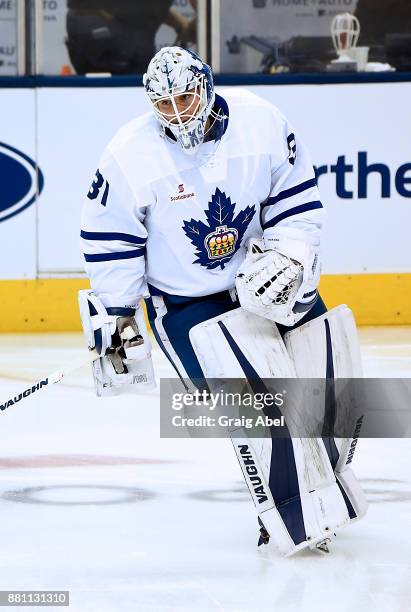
94 502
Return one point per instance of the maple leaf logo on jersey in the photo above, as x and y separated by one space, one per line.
217 242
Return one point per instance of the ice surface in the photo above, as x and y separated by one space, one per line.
93 501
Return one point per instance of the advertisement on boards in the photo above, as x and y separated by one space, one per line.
22 182
361 157
362 161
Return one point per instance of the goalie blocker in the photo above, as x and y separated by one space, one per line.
120 337
302 488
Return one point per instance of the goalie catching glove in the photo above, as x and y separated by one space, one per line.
120 337
279 276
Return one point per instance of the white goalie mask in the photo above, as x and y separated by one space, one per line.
180 86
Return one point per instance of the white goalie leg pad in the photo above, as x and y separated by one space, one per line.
307 345
328 347
256 338
291 480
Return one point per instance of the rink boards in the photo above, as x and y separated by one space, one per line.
51 141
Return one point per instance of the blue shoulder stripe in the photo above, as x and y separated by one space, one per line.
112 256
288 193
291 212
113 236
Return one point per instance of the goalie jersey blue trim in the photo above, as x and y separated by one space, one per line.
291 212
113 256
288 193
113 236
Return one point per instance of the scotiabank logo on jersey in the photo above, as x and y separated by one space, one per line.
218 240
21 181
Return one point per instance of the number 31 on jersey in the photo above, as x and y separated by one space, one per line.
96 186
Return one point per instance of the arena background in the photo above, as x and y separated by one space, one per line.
93 499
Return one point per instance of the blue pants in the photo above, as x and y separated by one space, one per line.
172 316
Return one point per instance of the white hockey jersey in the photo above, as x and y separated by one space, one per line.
180 223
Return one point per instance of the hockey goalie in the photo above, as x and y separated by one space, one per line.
207 208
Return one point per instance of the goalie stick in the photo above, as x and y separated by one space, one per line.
51 379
